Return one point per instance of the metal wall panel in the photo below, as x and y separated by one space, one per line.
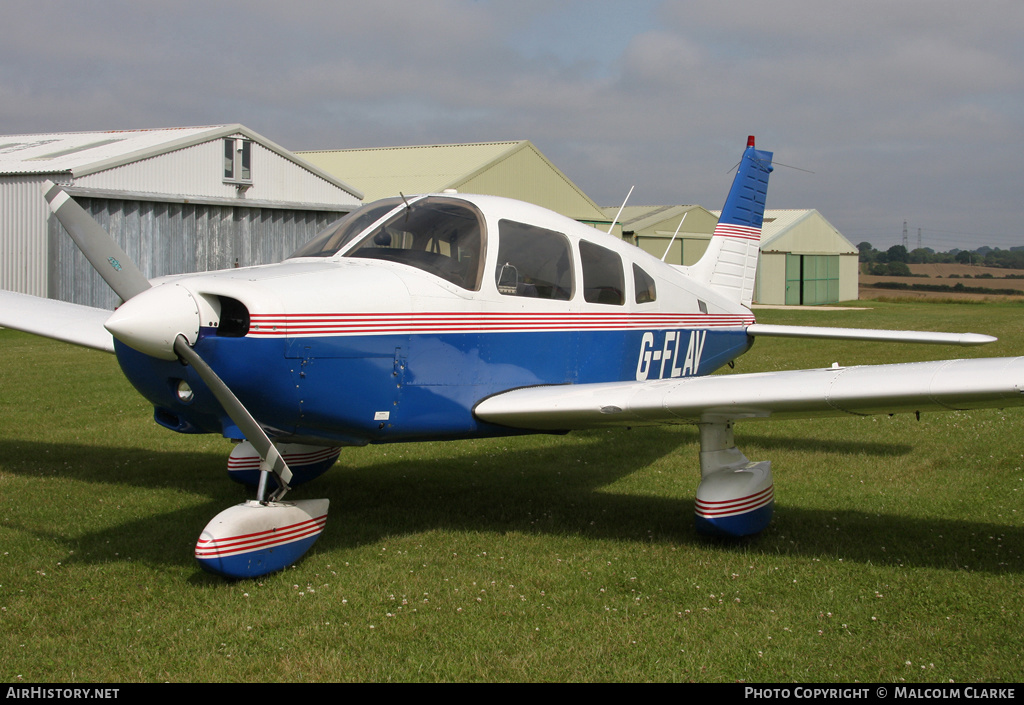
172 238
23 213
198 171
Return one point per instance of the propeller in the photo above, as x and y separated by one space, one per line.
106 257
155 323
159 321
270 457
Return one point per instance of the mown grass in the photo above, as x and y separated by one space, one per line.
895 552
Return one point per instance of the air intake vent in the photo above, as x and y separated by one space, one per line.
234 318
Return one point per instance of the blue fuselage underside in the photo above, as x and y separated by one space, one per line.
387 388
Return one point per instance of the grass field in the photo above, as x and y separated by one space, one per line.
895 553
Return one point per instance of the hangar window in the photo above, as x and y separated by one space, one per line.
643 286
603 280
237 160
533 262
438 235
341 232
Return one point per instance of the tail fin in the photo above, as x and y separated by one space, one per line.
730 262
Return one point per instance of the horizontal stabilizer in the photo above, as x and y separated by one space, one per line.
71 323
882 336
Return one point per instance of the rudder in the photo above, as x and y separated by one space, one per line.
730 263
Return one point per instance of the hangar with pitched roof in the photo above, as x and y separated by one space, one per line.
679 234
805 261
176 200
515 169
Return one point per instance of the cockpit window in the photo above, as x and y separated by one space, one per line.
341 232
533 262
442 236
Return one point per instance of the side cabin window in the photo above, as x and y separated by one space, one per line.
643 286
442 236
603 279
533 262
341 232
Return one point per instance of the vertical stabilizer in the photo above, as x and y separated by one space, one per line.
730 262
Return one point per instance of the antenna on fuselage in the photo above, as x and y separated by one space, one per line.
674 236
620 209
408 208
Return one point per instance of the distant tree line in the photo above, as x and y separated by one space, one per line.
894 261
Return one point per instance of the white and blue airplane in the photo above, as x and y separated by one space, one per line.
449 316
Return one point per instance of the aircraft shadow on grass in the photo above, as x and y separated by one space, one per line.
490 488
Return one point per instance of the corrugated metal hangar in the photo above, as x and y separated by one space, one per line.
176 200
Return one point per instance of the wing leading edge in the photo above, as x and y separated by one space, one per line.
945 385
71 323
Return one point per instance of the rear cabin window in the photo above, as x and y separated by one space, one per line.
603 280
643 286
438 235
533 262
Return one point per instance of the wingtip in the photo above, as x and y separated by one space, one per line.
968 339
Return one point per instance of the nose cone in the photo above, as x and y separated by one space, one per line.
150 321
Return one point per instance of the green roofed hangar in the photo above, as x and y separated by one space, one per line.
804 259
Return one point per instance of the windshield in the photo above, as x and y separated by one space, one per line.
439 235
341 232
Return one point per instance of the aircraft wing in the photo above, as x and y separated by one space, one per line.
862 390
71 323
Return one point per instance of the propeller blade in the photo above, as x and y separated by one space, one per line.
99 248
270 457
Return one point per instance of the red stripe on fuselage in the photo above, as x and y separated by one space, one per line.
308 325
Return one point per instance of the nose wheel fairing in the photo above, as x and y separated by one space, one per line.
253 538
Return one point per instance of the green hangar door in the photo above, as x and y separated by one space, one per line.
812 279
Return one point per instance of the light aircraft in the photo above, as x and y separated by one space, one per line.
449 316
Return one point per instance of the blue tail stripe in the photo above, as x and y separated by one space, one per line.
746 200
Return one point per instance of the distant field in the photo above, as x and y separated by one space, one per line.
941 274
944 270
896 553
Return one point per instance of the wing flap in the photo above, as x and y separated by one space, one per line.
71 323
863 390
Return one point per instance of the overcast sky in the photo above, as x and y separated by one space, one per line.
890 110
